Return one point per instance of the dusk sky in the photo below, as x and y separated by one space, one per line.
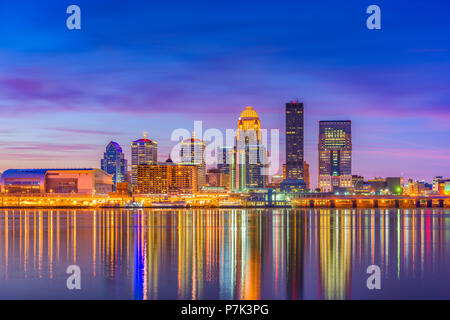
157 66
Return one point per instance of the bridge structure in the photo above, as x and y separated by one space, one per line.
374 201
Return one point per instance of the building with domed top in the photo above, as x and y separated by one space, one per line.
250 154
114 162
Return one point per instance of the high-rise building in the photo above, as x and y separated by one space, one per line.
192 152
143 151
250 156
226 166
114 162
168 178
335 156
294 140
294 167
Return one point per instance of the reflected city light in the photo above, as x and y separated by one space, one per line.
221 253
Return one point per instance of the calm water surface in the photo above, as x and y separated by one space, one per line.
225 253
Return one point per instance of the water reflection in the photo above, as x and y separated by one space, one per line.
224 254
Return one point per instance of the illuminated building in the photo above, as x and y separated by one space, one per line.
358 184
143 151
123 188
215 178
250 155
377 185
444 187
167 178
306 176
335 156
436 181
276 179
56 181
294 140
226 166
417 188
192 152
114 162
294 167
393 185
212 177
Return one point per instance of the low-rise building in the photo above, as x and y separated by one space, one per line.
167 178
56 181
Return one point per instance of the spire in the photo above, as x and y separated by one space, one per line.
145 134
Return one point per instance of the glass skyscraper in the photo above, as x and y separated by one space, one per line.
335 156
114 162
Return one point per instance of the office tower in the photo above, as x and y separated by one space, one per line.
226 166
250 156
192 152
168 178
143 151
114 162
335 156
294 149
294 140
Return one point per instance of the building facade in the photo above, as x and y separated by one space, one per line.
250 155
335 156
167 178
114 162
306 176
294 140
226 166
56 181
143 152
192 153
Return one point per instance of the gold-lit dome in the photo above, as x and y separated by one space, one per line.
249 124
249 112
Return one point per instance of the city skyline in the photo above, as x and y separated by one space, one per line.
392 85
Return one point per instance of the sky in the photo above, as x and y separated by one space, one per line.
157 66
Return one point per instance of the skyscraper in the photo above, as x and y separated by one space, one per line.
114 162
250 155
226 166
294 148
192 153
143 151
335 155
294 140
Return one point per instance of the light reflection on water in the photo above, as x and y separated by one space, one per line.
225 254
